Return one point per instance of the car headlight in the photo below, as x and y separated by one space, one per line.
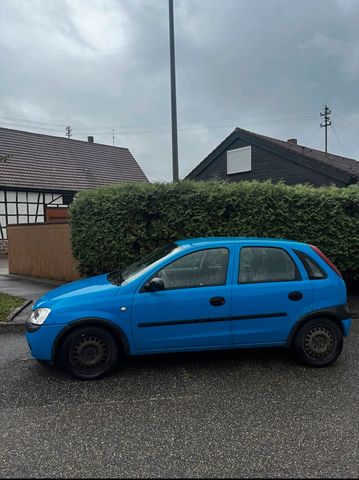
39 315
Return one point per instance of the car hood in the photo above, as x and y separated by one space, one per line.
81 288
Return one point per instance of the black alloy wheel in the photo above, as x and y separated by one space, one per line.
88 352
319 342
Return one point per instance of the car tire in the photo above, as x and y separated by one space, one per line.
88 352
318 343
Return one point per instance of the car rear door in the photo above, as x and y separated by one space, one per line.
193 311
271 291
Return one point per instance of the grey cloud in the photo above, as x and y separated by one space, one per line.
97 64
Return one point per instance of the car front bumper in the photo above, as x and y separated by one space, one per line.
41 339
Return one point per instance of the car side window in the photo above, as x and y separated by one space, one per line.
197 269
266 264
314 271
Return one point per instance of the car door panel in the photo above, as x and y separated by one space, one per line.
182 318
263 312
266 315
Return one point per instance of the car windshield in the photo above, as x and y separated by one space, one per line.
138 267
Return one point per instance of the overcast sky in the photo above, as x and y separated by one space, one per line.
263 65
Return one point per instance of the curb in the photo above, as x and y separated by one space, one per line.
12 326
17 310
33 279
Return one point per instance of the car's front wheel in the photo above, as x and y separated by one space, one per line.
88 352
318 343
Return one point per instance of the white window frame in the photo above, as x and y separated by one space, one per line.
232 170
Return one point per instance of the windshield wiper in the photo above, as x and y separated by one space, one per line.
115 278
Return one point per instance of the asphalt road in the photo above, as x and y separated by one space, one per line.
226 414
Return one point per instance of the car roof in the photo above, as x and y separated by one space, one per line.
210 241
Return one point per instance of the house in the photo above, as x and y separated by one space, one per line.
40 174
245 155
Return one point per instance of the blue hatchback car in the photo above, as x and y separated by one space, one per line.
196 294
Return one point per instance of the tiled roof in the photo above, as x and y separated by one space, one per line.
343 164
36 161
347 165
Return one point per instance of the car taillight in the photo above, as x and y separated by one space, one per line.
326 259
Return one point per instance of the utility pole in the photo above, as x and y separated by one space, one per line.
68 132
326 124
113 137
173 95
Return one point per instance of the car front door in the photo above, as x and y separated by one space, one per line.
193 310
270 293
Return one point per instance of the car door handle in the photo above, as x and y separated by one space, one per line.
217 301
295 296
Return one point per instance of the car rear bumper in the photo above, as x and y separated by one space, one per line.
346 326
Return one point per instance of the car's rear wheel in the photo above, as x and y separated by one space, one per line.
318 343
88 352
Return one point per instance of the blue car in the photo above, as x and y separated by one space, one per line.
196 294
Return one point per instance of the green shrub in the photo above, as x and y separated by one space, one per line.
113 226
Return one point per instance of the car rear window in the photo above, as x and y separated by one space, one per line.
314 271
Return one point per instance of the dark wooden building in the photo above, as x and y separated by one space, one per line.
245 155
40 174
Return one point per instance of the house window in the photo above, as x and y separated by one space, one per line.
239 160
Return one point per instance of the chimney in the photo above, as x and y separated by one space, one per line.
90 139
294 141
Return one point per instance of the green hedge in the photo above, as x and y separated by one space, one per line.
114 226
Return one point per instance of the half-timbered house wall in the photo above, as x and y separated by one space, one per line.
26 207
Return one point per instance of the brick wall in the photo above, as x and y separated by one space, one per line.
3 248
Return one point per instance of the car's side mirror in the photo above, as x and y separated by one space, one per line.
154 285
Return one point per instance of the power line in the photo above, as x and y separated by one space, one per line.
43 129
347 134
279 117
350 125
340 143
26 120
344 127
295 119
312 135
260 114
304 110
